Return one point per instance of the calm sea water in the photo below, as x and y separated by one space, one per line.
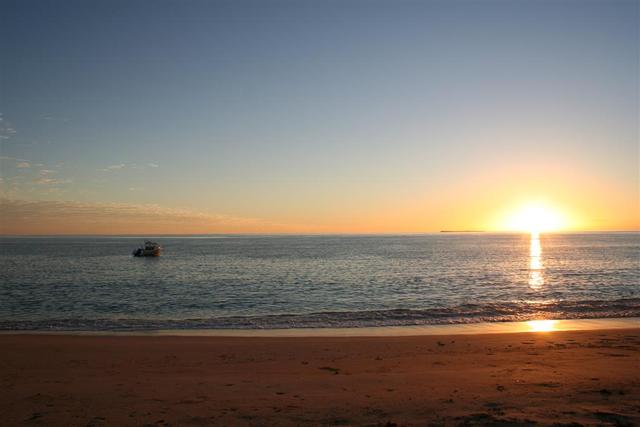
93 283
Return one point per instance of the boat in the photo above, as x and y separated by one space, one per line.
149 249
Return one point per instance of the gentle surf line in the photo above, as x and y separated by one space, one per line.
546 325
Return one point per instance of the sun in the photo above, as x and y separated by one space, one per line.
535 218
541 325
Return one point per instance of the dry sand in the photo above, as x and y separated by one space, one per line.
585 377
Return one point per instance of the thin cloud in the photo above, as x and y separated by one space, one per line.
119 166
51 181
15 159
67 217
52 118
113 167
7 130
23 165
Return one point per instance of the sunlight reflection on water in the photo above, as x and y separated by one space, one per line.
536 279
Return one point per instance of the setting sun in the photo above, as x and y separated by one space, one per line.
541 325
536 218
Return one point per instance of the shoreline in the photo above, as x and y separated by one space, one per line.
481 328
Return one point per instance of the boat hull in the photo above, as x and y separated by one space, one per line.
145 252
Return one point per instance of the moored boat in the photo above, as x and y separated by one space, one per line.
149 249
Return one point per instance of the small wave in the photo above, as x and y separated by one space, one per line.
466 313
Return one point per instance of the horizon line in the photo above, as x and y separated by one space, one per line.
406 233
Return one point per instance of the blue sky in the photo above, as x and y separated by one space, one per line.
320 115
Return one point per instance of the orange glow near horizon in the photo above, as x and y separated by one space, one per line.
512 208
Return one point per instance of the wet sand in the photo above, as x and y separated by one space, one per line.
584 377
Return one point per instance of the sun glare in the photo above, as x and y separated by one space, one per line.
541 325
536 218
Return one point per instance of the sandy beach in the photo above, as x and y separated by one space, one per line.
550 378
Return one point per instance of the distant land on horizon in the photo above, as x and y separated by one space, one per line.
169 235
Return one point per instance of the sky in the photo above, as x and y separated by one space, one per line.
307 116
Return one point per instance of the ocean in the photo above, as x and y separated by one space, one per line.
286 281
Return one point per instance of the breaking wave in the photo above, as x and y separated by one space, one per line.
462 314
